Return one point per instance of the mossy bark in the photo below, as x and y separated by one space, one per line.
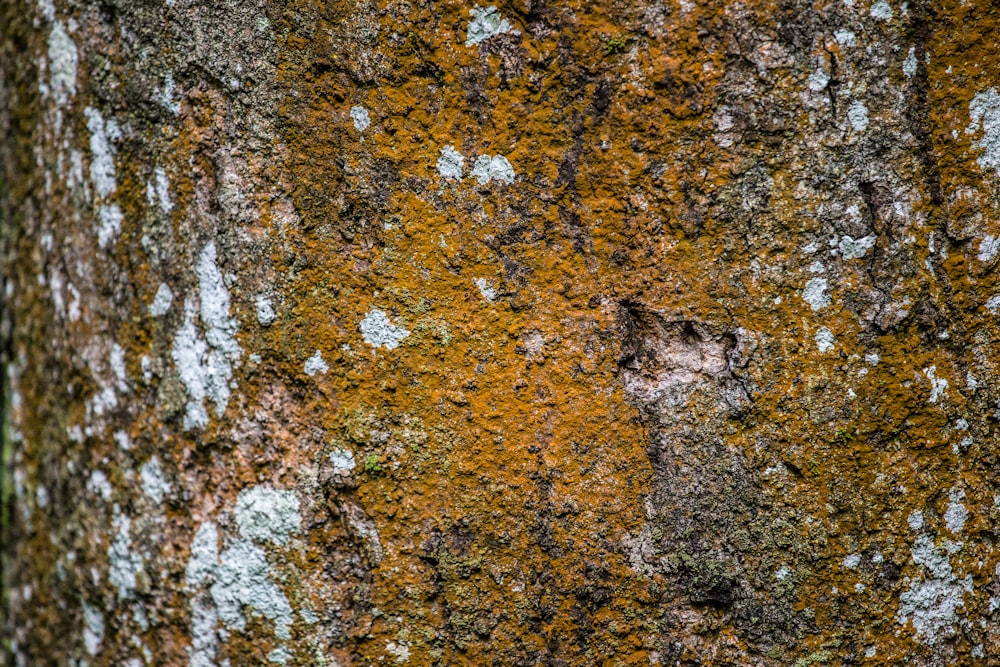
536 333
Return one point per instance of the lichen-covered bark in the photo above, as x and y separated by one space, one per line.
535 333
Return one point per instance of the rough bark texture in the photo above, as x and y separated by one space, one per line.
544 333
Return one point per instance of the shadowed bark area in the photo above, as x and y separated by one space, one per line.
531 333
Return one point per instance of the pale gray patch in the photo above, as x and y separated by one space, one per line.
98 484
825 339
451 164
988 248
279 656
204 637
267 514
852 561
102 160
47 9
203 371
315 364
63 62
486 23
110 219
342 461
915 520
265 311
881 11
378 331
204 556
818 81
400 651
956 515
486 289
845 37
154 483
938 385
931 603
815 294
123 563
855 248
857 115
241 581
116 359
220 328
162 301
163 190
93 630
984 112
496 168
993 304
910 64
360 117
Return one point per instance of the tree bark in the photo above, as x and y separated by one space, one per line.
543 333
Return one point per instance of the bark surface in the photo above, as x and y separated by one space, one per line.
539 333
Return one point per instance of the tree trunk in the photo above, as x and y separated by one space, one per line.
545 333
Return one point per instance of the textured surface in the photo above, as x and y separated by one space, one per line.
536 333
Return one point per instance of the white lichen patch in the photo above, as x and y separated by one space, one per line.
910 64
109 217
241 582
855 248
852 561
984 113
99 485
205 365
124 564
154 483
400 651
845 37
378 331
268 515
63 62
993 304
486 23
881 11
818 81
857 116
265 311
204 556
451 164
915 520
931 603
220 328
93 628
279 656
238 576
938 385
102 153
956 515
496 168
204 372
815 294
988 248
204 633
161 190
162 301
342 461
486 289
825 339
360 117
315 364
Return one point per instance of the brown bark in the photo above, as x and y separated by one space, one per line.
544 333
